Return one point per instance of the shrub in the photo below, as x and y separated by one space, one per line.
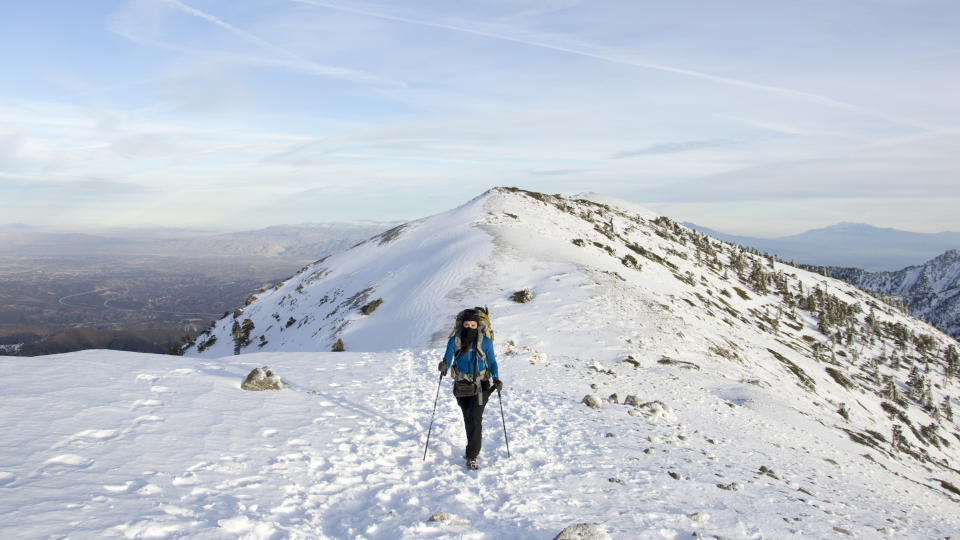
241 334
579 242
338 346
522 296
206 344
371 307
290 322
630 261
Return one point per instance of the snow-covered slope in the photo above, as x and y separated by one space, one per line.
767 401
931 290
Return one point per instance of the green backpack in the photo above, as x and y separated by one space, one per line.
485 327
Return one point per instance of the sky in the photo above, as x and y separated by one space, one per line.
762 118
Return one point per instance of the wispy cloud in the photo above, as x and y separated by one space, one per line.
558 172
777 127
572 46
127 25
673 148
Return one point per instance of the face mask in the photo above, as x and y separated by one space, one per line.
468 335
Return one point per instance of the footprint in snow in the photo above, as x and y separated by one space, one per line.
147 419
140 403
188 479
127 487
95 434
68 460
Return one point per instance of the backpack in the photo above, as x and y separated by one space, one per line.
484 326
463 388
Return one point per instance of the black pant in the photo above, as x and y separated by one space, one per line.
473 418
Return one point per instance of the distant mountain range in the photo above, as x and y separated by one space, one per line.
850 245
307 241
931 290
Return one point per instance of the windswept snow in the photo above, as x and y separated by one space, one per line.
339 457
726 423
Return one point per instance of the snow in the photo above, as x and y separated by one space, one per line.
339 457
721 437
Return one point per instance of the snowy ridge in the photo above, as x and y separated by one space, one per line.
764 401
931 290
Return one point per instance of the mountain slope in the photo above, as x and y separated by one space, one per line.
753 399
662 292
849 245
931 290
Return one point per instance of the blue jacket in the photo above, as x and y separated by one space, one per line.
465 361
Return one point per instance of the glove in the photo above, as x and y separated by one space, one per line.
498 385
442 366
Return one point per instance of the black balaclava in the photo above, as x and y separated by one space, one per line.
469 335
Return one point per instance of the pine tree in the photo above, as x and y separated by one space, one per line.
916 385
890 390
952 358
945 409
897 440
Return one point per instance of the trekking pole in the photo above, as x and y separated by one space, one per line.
432 415
504 424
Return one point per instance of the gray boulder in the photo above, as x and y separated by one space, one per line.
583 531
592 401
262 378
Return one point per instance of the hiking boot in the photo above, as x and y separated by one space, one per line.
473 464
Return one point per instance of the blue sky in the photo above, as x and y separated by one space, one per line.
751 117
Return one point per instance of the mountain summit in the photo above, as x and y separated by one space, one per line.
615 286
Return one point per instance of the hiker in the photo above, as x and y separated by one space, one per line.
472 364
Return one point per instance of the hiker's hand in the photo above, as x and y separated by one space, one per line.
498 385
442 366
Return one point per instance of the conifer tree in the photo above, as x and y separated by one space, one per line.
945 409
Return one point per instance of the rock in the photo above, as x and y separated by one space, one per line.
598 367
631 400
732 486
594 386
630 360
448 519
675 475
614 399
610 435
262 378
651 410
583 531
616 481
592 401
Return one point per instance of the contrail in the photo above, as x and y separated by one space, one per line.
297 60
614 57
